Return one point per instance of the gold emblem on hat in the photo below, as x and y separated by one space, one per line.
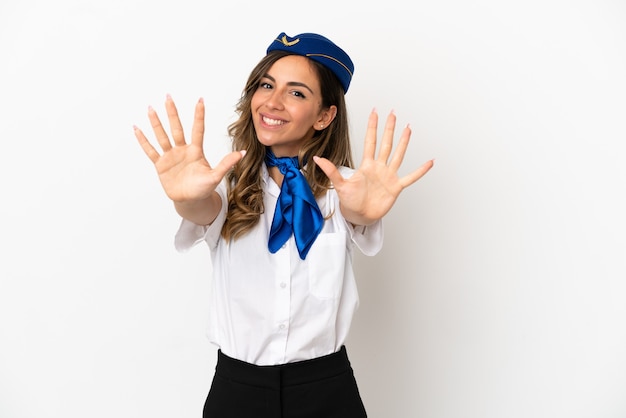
287 43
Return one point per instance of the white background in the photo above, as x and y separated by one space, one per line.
501 290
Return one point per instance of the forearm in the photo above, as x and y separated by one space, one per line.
200 212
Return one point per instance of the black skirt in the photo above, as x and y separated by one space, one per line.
319 388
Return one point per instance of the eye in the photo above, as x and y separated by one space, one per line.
265 85
297 93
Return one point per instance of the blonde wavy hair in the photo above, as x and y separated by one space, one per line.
245 192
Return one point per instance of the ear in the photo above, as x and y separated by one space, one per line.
325 118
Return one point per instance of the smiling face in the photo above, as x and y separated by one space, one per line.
287 106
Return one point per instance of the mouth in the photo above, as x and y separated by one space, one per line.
272 122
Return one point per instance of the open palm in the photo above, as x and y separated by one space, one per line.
183 170
372 190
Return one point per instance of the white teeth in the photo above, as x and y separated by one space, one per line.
272 121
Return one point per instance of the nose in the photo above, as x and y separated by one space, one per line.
275 99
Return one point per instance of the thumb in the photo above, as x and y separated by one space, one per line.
228 162
329 169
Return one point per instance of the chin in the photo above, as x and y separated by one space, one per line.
265 141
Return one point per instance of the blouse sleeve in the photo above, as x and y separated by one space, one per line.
368 239
190 234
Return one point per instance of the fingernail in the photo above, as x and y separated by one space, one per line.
243 153
168 96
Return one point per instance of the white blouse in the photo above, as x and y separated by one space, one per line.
270 309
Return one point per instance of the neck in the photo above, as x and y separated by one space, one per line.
276 175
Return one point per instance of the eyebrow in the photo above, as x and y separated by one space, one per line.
291 83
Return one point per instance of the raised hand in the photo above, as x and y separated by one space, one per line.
372 190
183 170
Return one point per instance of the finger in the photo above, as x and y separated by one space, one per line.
329 169
158 129
228 162
403 144
409 179
175 126
148 149
197 131
387 142
369 148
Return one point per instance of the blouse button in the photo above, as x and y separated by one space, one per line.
283 285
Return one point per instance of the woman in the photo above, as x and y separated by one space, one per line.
281 214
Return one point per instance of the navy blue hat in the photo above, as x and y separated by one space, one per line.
320 49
